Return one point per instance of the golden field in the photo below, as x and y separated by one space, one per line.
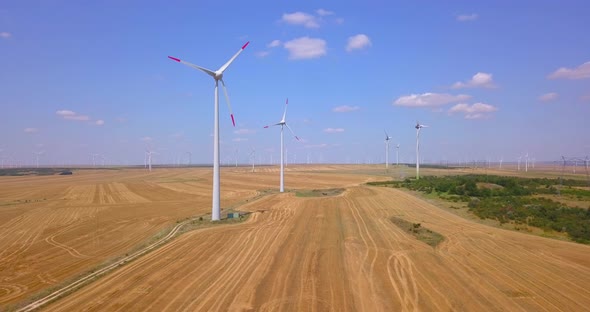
339 253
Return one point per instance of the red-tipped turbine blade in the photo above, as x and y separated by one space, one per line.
173 58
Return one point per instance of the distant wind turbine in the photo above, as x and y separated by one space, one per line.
252 156
37 155
387 138
418 127
283 123
190 155
397 154
149 154
217 76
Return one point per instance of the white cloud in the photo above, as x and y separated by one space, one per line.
274 44
31 130
99 122
474 111
300 18
5 35
333 130
580 72
146 139
345 109
359 41
467 17
70 115
429 99
339 21
245 131
479 80
262 53
548 97
322 12
240 139
305 48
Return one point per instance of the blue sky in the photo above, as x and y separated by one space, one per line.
492 79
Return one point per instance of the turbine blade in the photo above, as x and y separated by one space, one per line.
228 104
285 111
205 70
293 133
224 67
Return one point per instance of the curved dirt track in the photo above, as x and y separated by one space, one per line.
343 254
53 228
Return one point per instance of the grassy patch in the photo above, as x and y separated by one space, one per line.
418 231
319 193
513 200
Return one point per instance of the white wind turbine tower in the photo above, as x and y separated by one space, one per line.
149 154
252 156
190 155
519 157
37 155
397 154
283 123
217 76
387 138
526 161
418 127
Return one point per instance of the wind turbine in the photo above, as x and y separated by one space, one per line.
519 157
37 154
387 138
397 154
283 123
252 156
526 161
418 127
217 76
149 154
190 155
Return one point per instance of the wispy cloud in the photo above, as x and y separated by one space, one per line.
429 99
70 115
467 17
580 72
5 35
244 131
357 42
147 139
301 18
305 48
99 122
273 44
345 109
262 53
31 130
474 111
547 97
333 130
479 80
322 12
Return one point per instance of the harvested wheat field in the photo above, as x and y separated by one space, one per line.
343 253
53 228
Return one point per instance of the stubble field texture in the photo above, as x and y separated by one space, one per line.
337 252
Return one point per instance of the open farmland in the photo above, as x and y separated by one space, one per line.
344 253
53 228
